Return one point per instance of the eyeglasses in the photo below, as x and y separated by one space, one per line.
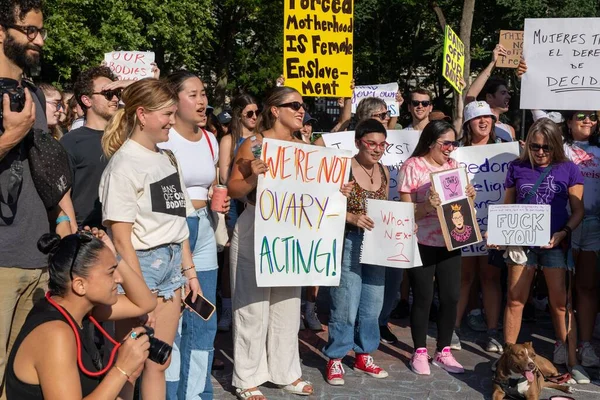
58 105
109 94
383 115
373 145
537 147
582 116
30 30
252 113
446 144
424 103
82 237
294 105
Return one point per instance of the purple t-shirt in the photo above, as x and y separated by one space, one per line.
553 190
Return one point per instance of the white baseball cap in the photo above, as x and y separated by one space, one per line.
477 109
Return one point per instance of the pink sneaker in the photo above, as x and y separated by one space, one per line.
446 360
419 363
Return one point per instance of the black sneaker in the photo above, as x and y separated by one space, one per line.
386 335
401 311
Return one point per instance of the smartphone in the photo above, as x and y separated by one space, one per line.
201 306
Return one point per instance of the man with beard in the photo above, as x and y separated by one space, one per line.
23 216
97 91
420 106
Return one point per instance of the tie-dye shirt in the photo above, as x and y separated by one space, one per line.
587 158
553 190
414 177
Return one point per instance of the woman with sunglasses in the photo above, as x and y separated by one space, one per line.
432 154
265 320
357 301
54 356
196 150
145 204
544 175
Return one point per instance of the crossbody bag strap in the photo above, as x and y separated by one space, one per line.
537 184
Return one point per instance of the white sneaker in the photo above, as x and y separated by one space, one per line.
224 324
560 353
587 355
311 319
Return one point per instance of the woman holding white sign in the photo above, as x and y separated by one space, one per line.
544 175
265 319
357 301
432 154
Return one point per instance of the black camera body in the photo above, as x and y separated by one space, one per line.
159 351
16 96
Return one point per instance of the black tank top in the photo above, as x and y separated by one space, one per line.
41 313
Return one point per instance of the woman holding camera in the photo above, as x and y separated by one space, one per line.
145 204
54 356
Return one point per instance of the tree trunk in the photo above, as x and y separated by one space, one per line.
230 19
466 25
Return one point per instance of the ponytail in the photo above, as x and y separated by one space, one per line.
115 133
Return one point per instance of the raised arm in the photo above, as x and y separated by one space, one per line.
477 86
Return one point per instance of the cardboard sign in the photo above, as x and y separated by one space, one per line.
392 243
454 59
402 143
300 215
130 65
450 185
459 224
513 43
563 64
519 225
486 168
386 92
318 47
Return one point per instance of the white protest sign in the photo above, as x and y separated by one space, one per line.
519 224
486 168
402 143
300 215
386 92
134 65
392 243
563 64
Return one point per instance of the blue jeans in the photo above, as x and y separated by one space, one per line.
195 349
355 304
393 279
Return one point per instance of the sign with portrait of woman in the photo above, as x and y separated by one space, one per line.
459 224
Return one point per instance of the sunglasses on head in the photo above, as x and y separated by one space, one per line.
537 147
582 116
424 103
373 145
446 144
82 237
252 113
383 115
294 105
109 94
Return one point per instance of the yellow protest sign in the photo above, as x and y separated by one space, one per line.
454 59
318 46
513 43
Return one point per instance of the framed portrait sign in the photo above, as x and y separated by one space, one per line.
450 184
459 224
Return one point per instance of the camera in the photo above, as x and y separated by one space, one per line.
159 351
16 96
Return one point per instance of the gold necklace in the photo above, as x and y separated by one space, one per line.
364 169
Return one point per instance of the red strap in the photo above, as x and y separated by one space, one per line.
212 152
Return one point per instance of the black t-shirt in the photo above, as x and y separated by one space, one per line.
87 164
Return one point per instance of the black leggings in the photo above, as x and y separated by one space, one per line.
445 266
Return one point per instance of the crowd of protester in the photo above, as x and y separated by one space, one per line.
129 233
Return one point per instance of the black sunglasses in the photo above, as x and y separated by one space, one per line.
582 116
537 147
82 237
383 115
252 113
30 30
109 94
294 105
425 103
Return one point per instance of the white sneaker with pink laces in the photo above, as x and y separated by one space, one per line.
446 360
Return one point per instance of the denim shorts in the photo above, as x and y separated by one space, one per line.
161 269
545 258
586 237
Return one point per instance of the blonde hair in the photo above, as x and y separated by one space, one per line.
151 94
553 137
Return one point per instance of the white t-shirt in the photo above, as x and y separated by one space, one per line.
196 161
142 187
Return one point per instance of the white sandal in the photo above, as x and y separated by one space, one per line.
298 388
243 394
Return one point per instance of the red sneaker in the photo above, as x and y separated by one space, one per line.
364 363
335 372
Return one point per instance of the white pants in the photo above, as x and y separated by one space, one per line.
265 320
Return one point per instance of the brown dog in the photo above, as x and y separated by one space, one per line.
520 373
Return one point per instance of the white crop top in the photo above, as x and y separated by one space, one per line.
196 160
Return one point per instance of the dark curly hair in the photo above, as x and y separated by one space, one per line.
84 85
10 10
